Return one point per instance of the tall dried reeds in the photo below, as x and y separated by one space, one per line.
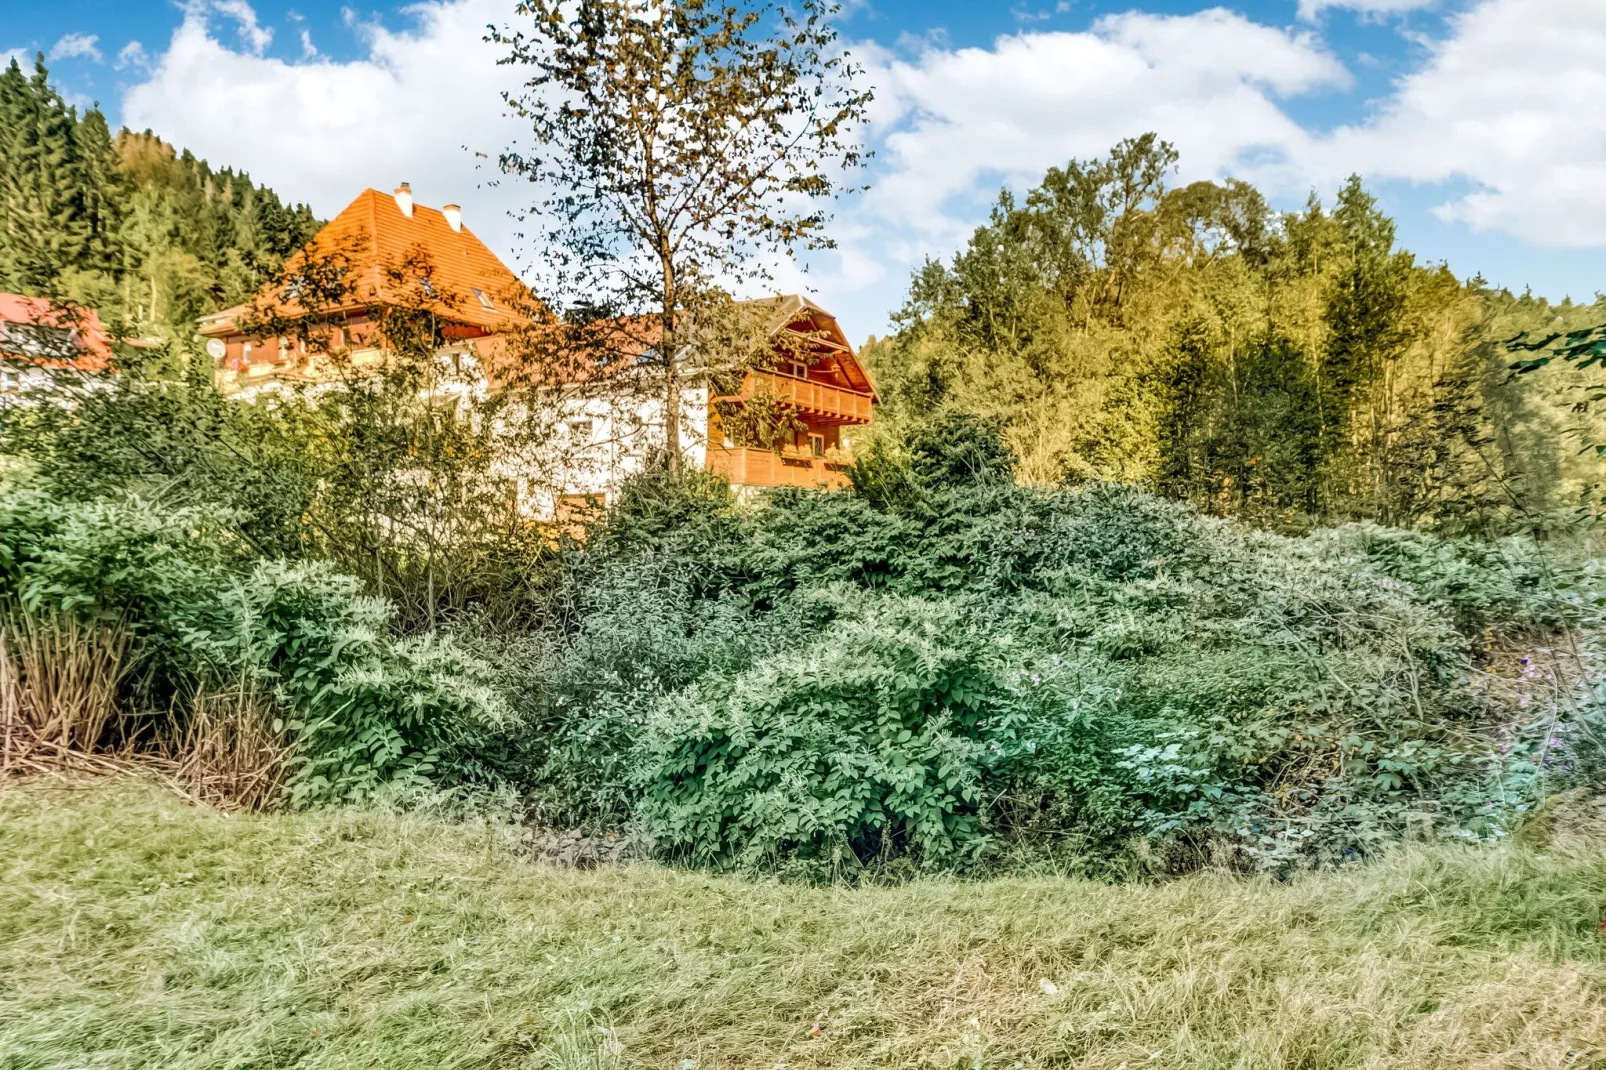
59 681
228 748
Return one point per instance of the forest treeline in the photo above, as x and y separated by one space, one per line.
1288 368
149 237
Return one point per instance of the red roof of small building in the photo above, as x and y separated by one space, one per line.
377 240
52 336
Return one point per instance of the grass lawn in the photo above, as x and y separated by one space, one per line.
137 931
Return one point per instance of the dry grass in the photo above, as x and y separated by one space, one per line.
59 678
136 931
225 750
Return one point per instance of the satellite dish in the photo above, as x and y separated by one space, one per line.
215 348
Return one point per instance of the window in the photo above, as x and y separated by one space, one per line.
793 368
485 302
40 341
580 431
245 354
428 287
817 445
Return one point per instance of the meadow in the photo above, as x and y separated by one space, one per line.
138 930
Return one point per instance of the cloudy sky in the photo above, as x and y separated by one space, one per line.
1481 124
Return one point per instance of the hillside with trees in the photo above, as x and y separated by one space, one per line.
1292 369
148 236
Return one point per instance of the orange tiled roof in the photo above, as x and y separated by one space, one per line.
81 332
377 239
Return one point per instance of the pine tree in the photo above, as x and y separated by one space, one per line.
125 225
1366 325
103 193
45 227
14 109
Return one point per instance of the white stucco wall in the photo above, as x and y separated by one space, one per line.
601 441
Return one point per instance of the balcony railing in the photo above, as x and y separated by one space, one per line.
750 467
831 403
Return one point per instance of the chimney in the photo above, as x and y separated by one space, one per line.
404 199
454 216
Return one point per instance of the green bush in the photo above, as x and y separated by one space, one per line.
880 738
367 710
1506 584
585 696
1144 673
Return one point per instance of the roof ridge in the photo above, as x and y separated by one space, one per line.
373 242
462 258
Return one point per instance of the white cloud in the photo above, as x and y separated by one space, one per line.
308 49
256 37
132 55
76 46
1509 103
951 122
1310 9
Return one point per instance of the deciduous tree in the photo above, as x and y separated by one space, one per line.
678 145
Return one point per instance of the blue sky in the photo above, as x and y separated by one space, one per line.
1478 123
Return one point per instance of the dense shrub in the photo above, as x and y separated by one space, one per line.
1505 584
370 710
584 696
780 689
364 708
880 738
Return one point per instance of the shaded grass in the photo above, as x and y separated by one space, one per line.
137 931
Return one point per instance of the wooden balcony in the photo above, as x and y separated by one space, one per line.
831 404
748 467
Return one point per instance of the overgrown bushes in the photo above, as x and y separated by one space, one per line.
362 709
877 739
960 670
939 669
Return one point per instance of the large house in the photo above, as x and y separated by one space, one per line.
387 252
392 252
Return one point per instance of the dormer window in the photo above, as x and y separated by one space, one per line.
485 302
428 287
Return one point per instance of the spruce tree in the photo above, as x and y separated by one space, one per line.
14 109
46 229
102 193
1367 333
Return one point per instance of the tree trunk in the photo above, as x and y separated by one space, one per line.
669 344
